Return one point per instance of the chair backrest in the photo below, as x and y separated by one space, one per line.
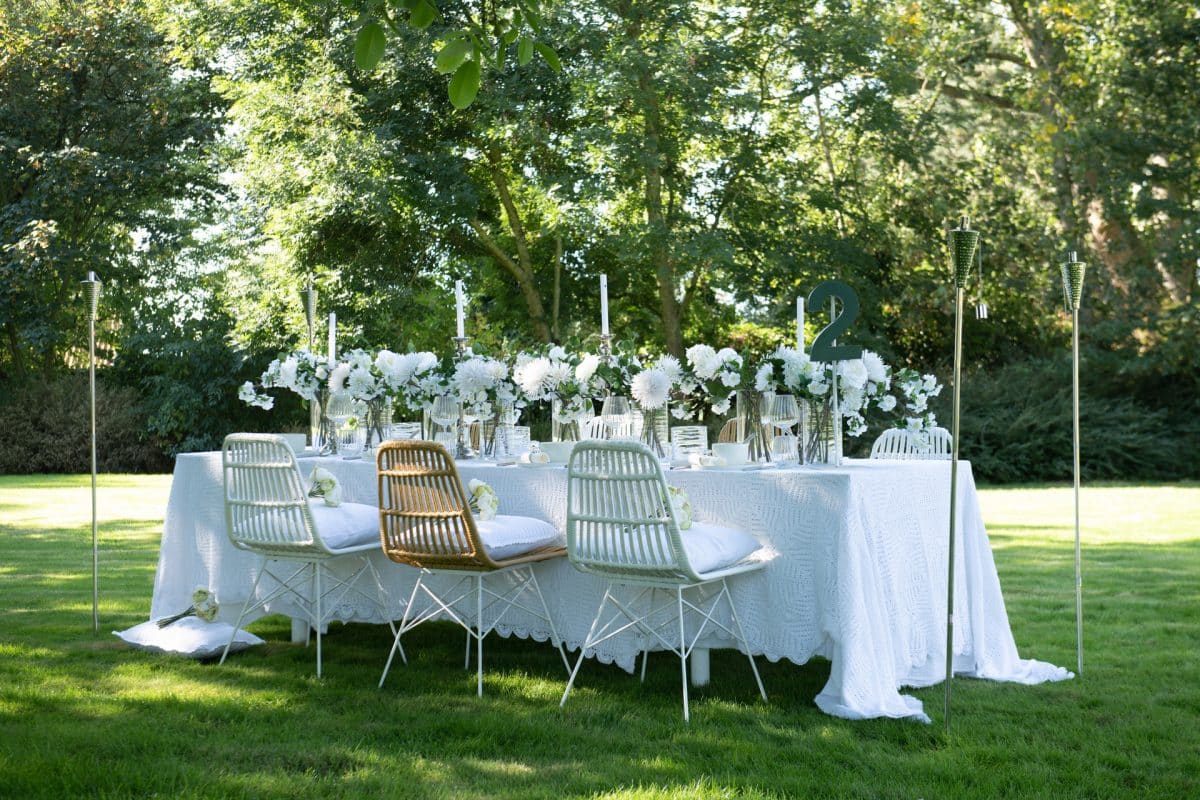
899 444
266 505
423 512
620 523
594 428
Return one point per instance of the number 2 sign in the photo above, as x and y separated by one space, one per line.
824 347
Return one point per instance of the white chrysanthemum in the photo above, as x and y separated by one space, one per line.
359 359
337 377
723 406
557 353
396 369
877 371
362 383
558 373
887 403
531 377
671 366
854 373
472 376
651 388
587 368
730 379
852 399
728 355
497 370
764 377
425 361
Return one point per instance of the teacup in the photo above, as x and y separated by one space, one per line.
734 454
559 452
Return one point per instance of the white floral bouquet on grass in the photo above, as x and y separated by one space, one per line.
204 606
483 500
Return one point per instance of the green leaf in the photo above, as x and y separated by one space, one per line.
422 16
465 84
524 51
368 45
509 36
549 56
450 57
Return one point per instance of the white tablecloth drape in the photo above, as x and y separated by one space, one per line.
857 569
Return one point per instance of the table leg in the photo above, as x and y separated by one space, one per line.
299 629
698 666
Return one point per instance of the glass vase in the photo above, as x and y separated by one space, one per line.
377 423
566 419
819 442
324 432
497 432
748 423
654 430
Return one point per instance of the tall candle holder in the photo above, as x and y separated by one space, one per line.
963 242
462 449
310 321
92 287
606 348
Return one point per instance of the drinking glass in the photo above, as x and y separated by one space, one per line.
445 411
784 412
616 415
688 440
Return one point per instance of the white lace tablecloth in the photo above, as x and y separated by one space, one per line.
857 571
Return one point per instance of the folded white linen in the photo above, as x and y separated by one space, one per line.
189 637
507 536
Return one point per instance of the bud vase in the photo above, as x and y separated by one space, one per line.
497 432
819 443
748 421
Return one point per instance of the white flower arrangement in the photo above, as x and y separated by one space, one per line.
483 500
712 376
558 376
681 505
300 371
651 388
204 606
912 402
324 484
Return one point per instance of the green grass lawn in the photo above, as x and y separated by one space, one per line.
87 716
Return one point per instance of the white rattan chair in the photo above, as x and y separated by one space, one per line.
268 512
426 523
899 444
621 526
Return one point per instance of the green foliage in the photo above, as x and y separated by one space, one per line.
47 428
104 161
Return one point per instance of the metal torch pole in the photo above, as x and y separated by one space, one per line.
1072 276
963 242
310 319
93 288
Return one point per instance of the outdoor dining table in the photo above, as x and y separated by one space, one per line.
856 573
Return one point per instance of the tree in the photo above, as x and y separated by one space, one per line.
104 162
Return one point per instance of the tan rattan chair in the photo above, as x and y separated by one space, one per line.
426 523
268 512
621 526
900 445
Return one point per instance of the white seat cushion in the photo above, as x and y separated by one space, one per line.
712 547
347 525
506 537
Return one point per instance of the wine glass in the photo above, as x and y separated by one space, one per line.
784 414
444 411
615 413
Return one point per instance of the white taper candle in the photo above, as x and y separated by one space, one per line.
332 337
800 324
458 303
604 304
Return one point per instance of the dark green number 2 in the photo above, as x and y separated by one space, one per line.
823 347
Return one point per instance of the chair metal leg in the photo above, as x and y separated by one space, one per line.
242 615
479 629
649 620
682 651
396 646
317 580
558 642
742 638
467 659
583 648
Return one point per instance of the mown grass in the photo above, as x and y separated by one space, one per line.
86 716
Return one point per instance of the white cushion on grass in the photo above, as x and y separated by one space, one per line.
507 536
190 637
712 547
347 525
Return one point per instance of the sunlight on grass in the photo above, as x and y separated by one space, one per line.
86 716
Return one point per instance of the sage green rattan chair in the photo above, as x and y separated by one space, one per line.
268 512
898 444
426 523
621 526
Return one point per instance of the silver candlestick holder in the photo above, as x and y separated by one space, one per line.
606 347
462 449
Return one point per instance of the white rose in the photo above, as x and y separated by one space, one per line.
854 373
876 369
887 403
